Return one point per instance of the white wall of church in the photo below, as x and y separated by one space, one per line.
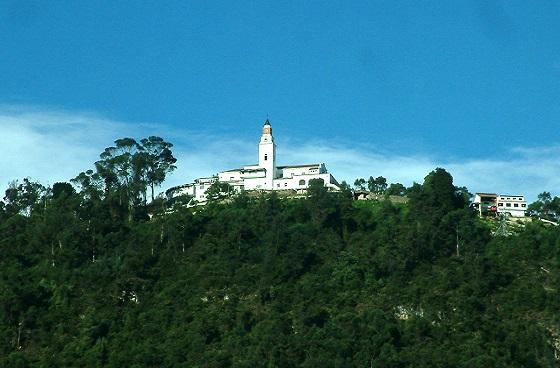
302 170
298 182
227 176
256 183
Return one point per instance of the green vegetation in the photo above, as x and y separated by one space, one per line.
546 207
88 279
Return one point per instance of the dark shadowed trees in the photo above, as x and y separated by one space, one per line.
268 282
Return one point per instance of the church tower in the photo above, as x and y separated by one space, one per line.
267 154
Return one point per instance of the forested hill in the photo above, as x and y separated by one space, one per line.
266 282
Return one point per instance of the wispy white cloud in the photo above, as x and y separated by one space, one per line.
51 145
522 174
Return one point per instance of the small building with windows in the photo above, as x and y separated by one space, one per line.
492 203
265 175
514 205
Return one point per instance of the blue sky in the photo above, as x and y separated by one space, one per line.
390 88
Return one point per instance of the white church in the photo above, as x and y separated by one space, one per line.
264 176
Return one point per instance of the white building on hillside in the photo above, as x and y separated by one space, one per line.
512 205
265 175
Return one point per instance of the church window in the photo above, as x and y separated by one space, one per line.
302 182
265 156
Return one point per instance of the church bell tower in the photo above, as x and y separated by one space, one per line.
267 154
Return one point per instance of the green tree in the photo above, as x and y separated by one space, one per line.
360 184
127 169
546 207
430 204
396 189
158 160
24 198
219 190
118 170
62 189
377 185
90 184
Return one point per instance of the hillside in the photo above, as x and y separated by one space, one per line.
86 280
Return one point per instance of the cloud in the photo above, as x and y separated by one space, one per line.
52 145
527 171
523 174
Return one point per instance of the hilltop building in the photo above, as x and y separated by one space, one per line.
265 175
512 205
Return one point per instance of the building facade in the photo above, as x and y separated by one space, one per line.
265 175
512 205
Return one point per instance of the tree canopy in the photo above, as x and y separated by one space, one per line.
259 281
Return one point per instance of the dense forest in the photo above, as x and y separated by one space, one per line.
93 274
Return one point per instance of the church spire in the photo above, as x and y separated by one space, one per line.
267 155
267 128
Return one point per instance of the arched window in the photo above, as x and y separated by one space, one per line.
265 156
302 182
